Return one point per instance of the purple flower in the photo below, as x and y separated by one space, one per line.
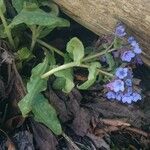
130 39
118 85
127 56
139 60
129 90
136 97
130 75
134 43
119 96
121 72
127 98
110 95
120 31
110 86
135 47
128 82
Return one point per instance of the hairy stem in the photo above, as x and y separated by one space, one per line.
99 70
62 67
34 36
70 65
7 29
98 54
50 47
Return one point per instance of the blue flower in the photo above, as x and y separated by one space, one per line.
127 98
134 43
110 95
128 82
127 56
129 90
120 31
118 85
136 97
135 47
119 96
121 72
130 39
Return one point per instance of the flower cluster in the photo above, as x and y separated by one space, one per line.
122 88
132 49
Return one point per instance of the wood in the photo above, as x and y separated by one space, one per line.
101 16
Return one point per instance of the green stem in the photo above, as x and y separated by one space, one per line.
62 67
97 55
74 64
7 29
99 70
50 47
69 65
34 36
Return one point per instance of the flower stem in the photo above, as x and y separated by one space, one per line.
97 55
62 67
99 70
7 29
50 47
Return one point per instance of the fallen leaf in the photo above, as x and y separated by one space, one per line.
43 137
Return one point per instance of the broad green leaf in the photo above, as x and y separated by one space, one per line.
46 114
2 6
75 49
18 4
110 61
38 17
65 80
34 86
24 54
91 77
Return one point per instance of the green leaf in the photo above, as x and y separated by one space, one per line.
53 7
24 54
2 6
91 77
64 80
37 16
18 4
59 83
46 114
34 86
110 61
75 49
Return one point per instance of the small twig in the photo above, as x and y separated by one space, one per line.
138 131
114 122
70 141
